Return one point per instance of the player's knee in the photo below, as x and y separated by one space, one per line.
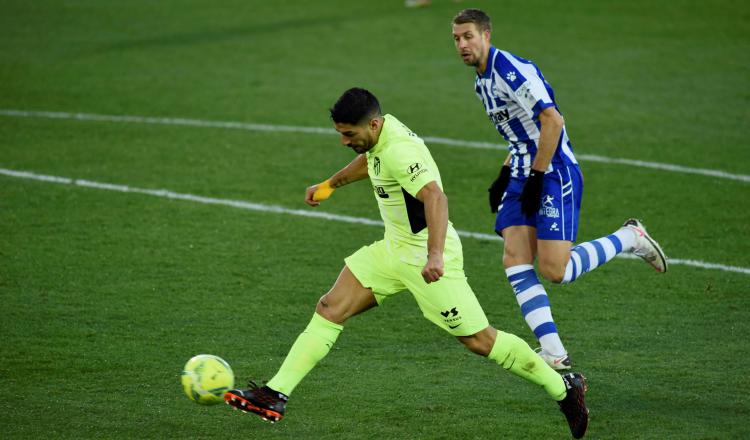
330 311
513 258
551 272
475 344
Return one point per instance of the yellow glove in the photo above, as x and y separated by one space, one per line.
323 191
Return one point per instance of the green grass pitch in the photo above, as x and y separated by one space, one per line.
105 295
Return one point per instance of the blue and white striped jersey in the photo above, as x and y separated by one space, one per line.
514 92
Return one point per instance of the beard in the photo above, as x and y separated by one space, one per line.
359 149
470 60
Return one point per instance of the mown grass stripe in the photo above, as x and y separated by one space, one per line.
241 204
329 131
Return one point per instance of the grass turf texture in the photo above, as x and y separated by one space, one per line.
106 295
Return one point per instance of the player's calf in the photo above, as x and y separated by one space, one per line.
481 342
553 257
552 271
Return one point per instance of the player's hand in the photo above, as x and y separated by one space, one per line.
531 196
317 193
498 187
434 269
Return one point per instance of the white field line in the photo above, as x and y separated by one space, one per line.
329 131
163 193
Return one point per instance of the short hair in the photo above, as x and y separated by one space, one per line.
354 106
476 16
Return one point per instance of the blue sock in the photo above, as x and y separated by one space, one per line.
535 307
587 256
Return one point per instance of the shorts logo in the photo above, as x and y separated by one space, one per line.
376 165
553 227
381 192
548 207
451 318
452 312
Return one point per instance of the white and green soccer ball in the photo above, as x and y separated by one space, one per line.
206 378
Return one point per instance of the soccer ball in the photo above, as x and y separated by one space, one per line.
206 378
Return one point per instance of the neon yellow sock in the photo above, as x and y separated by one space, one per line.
311 346
515 355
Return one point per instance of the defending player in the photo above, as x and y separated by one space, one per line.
421 252
537 195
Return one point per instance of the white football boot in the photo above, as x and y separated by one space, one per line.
558 363
646 247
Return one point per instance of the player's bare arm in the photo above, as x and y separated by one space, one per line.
436 215
551 127
552 124
356 170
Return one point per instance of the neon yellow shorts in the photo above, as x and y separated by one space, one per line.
449 302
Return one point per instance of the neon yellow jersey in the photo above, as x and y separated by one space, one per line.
399 165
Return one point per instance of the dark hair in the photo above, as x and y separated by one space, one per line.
354 106
476 16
